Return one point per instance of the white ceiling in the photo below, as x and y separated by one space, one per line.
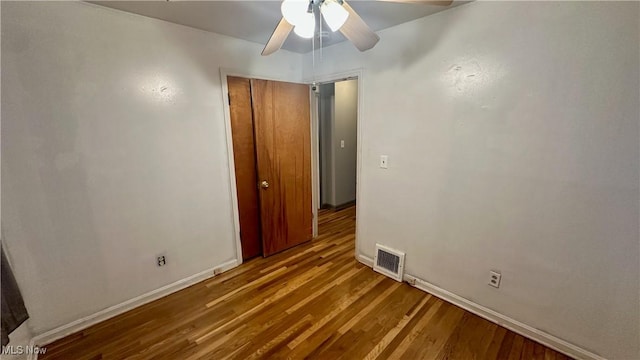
255 20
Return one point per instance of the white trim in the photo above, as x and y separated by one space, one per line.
315 160
359 73
32 345
232 166
326 78
516 326
365 260
102 315
224 73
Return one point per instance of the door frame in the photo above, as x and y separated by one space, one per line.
224 72
315 144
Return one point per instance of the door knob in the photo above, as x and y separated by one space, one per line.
264 184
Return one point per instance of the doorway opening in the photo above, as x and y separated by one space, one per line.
337 144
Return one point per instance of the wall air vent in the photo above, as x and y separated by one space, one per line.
389 262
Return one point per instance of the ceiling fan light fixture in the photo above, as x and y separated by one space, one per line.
295 11
334 14
307 27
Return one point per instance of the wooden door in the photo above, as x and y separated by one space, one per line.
244 156
283 147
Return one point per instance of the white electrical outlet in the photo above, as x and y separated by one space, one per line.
342 144
384 161
494 278
161 260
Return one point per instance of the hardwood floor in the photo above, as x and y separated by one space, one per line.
312 301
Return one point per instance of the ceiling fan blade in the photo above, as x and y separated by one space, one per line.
278 37
357 31
426 2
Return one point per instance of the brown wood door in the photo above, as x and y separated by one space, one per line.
244 156
283 147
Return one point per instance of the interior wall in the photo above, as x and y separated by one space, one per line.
113 152
345 130
513 141
338 108
326 107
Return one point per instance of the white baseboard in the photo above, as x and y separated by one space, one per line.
102 315
525 330
365 260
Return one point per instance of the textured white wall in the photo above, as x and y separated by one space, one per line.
513 142
113 151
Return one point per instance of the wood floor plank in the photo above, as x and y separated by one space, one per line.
337 308
364 312
388 338
496 341
516 349
432 338
415 331
313 301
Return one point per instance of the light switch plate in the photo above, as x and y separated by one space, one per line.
342 144
384 159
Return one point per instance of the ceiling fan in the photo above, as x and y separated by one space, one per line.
299 16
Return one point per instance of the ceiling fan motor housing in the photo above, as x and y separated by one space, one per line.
300 17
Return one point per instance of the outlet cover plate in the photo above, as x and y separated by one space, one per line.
494 278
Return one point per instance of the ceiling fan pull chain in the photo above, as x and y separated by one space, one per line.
320 34
313 57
